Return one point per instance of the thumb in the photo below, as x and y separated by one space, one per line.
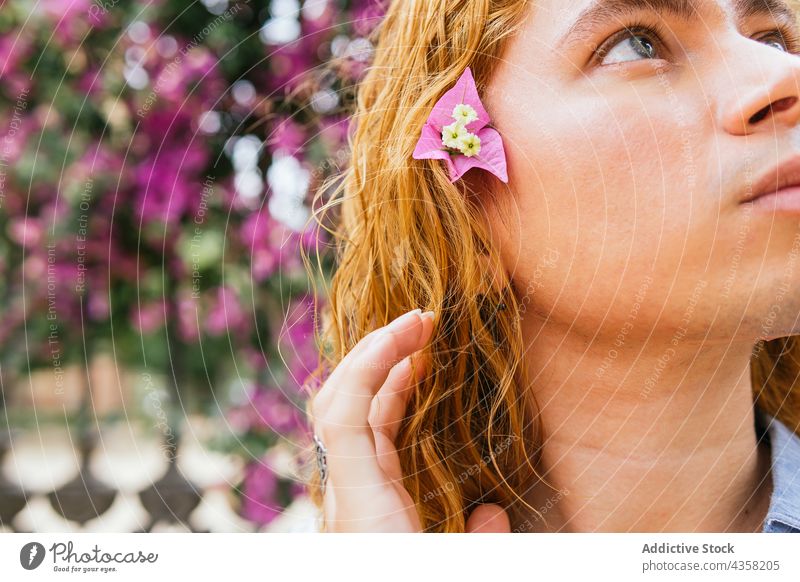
489 518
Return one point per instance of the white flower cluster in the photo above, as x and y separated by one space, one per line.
456 136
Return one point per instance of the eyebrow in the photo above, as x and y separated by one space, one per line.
603 11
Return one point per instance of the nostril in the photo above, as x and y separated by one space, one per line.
760 115
776 107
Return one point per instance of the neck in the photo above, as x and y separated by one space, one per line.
655 440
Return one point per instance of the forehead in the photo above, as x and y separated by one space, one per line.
558 22
565 14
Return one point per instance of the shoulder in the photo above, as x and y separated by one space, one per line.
784 509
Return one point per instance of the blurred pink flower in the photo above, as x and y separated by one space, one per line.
271 243
13 50
297 341
259 494
287 135
266 408
71 18
168 182
188 320
26 232
367 14
226 314
149 317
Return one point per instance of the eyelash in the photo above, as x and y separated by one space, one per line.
656 31
636 28
790 38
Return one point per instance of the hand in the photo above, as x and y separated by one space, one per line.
357 414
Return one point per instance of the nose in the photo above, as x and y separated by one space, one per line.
766 95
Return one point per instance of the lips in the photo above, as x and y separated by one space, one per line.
779 187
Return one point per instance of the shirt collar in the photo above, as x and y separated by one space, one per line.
783 514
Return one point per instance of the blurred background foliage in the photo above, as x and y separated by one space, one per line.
158 161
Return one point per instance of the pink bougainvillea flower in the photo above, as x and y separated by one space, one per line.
457 131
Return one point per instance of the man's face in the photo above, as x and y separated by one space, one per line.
629 154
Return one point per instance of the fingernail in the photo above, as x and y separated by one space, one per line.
402 320
429 314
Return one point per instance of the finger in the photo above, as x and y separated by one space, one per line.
323 397
344 426
354 383
489 518
388 407
388 458
326 394
385 415
420 362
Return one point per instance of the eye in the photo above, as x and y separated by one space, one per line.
785 39
630 44
775 39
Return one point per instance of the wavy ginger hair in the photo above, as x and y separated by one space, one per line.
407 237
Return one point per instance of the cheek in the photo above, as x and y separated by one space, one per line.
608 192
602 180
